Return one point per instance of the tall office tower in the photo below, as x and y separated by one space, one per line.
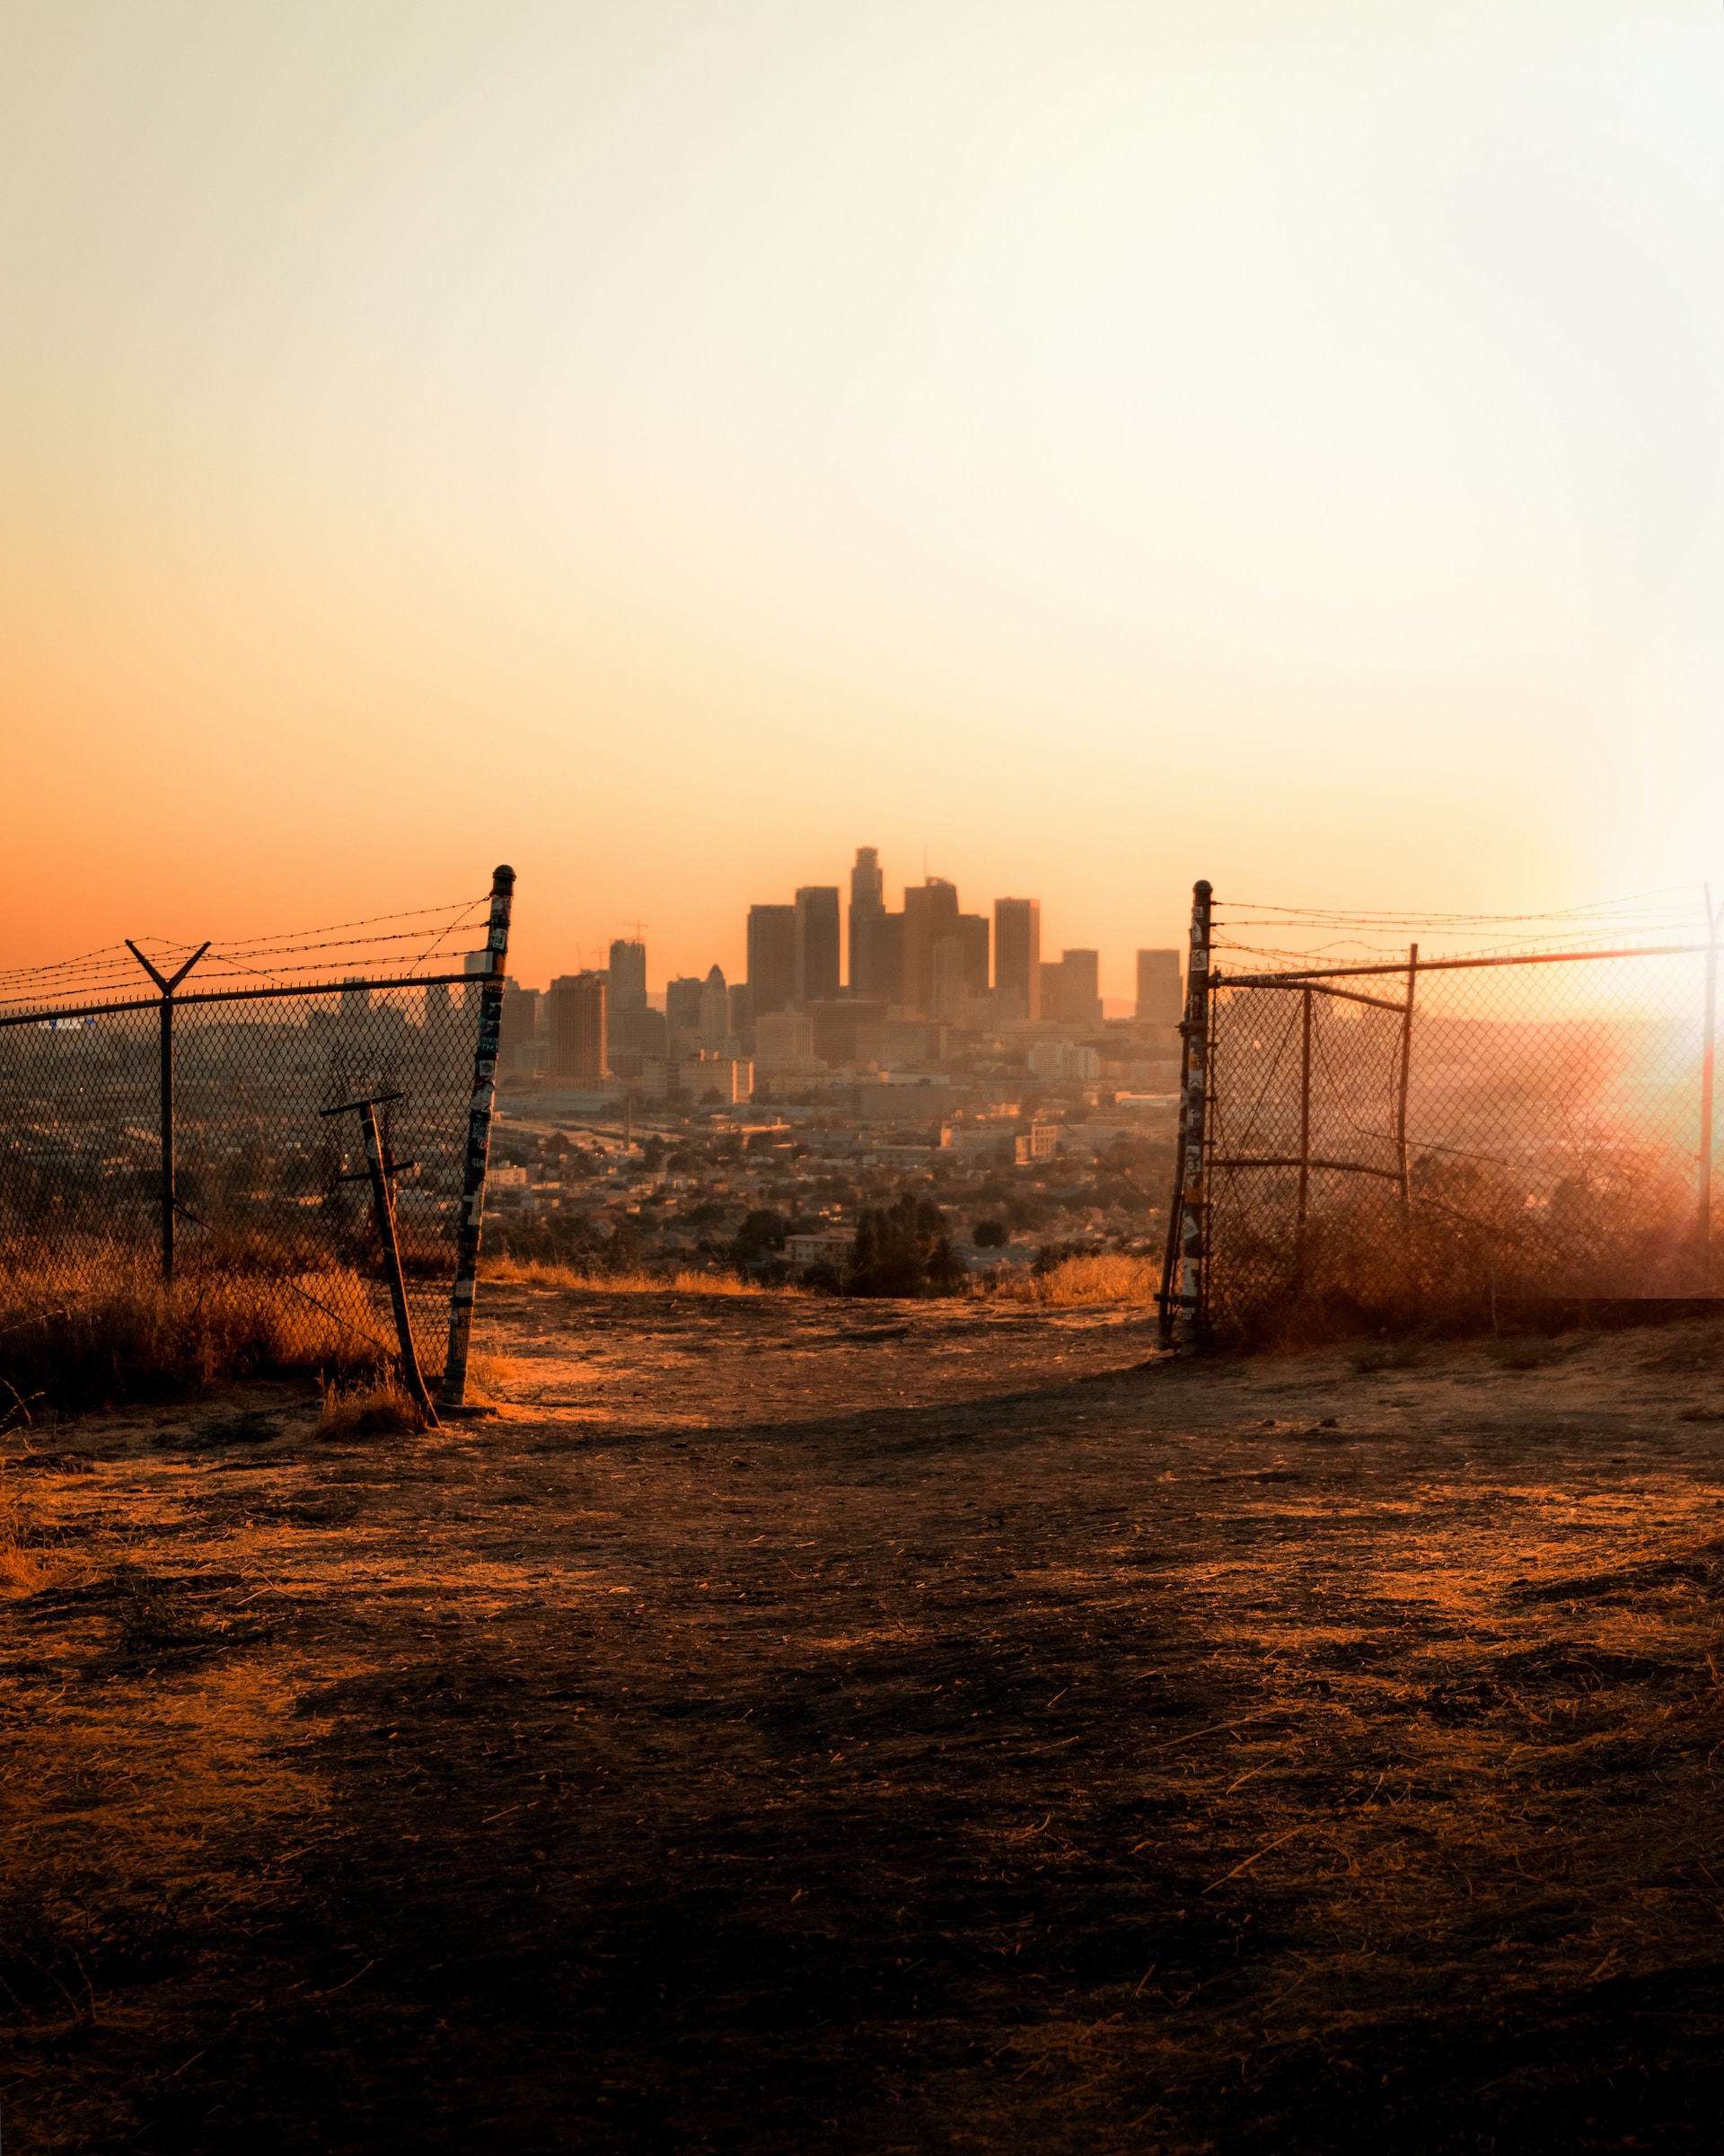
1053 994
715 1011
742 1010
1017 950
931 915
520 1020
1161 995
817 943
972 934
877 957
682 1007
947 989
628 976
771 957
637 1034
577 1044
867 902
1080 995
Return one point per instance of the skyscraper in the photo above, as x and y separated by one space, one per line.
628 976
1161 997
877 957
931 915
972 934
715 1011
1017 950
771 957
946 990
519 1019
577 1044
817 943
682 1010
1080 996
867 902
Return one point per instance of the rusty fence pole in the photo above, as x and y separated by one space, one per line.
382 1205
1406 1074
380 1171
453 1394
169 1200
1188 1331
1305 1139
1708 1062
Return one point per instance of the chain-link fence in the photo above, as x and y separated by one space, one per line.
1440 1142
183 1140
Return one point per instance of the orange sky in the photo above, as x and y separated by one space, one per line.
666 446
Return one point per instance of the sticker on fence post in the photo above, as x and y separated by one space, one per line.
479 1144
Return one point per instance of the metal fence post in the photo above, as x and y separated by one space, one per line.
1194 1112
168 1199
382 1201
1305 1139
479 1144
1406 1074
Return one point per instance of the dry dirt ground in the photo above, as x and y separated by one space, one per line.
795 1726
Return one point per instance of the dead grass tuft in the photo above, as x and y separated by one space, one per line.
382 1409
1105 1277
26 1565
517 1272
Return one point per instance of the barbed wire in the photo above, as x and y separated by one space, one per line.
113 973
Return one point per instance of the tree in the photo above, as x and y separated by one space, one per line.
760 1233
903 1249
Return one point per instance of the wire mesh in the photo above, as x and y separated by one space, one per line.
1526 1130
261 1188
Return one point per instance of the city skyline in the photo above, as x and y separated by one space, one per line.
790 958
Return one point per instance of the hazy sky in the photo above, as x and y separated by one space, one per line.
665 445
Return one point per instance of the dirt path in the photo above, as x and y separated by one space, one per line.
795 1725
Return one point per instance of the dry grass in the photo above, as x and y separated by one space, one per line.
515 1273
133 1336
488 1372
381 1409
1107 1277
26 1565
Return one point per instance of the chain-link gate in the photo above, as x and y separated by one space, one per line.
185 1140
1432 1141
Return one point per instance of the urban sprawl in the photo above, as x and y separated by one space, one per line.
923 1076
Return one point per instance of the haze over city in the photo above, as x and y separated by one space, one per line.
1083 448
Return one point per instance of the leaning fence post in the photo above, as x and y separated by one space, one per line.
479 1144
1194 1115
380 1171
